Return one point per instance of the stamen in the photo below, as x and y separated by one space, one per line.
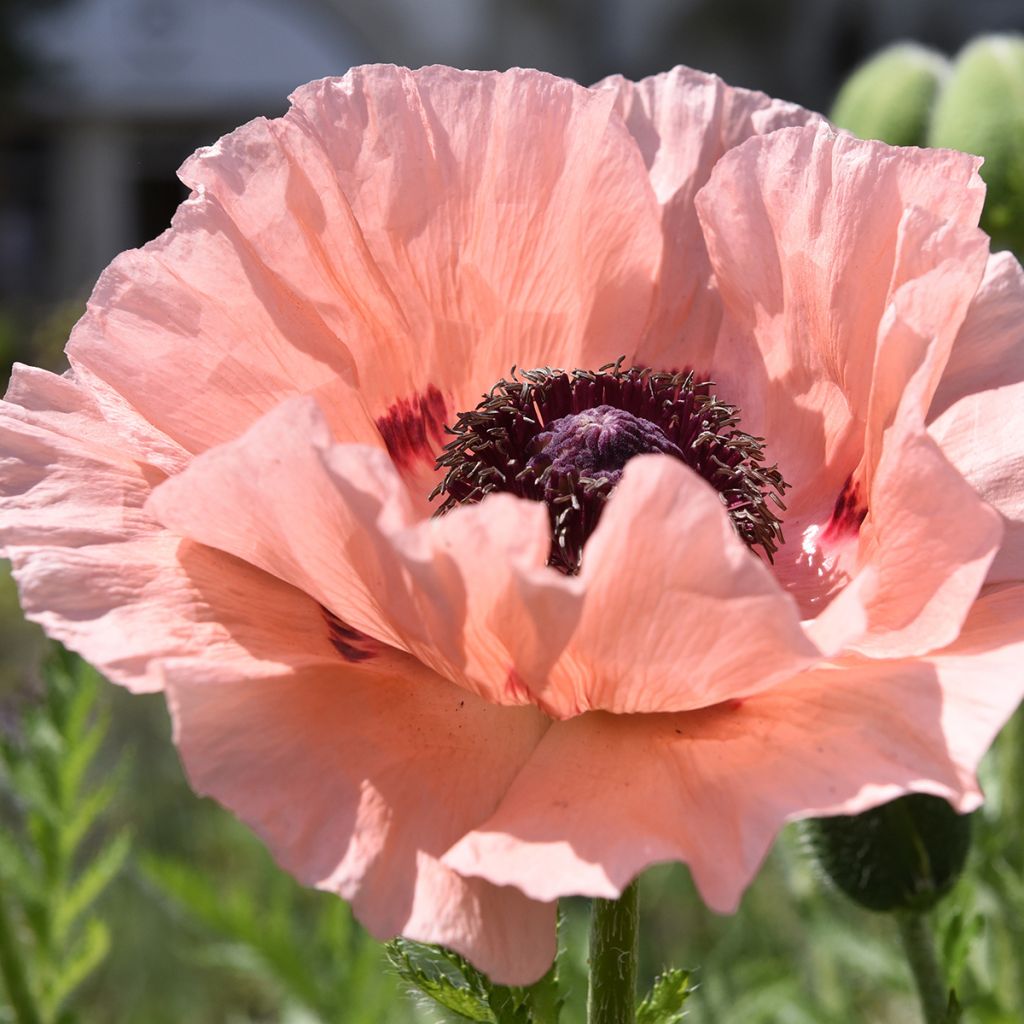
564 438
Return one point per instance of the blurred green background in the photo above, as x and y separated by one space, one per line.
200 926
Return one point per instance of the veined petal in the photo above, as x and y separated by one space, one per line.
431 587
412 764
976 413
683 122
857 266
845 266
604 796
266 498
988 352
513 224
707 620
99 574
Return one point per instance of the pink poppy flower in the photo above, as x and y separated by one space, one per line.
228 495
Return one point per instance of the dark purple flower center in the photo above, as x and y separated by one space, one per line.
597 443
565 438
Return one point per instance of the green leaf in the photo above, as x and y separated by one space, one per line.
959 935
544 999
459 989
79 753
85 956
954 1012
266 931
16 870
94 878
83 815
443 978
664 1003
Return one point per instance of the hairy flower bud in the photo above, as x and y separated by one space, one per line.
904 855
891 96
979 111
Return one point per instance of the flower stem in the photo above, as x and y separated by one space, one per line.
13 972
919 945
614 945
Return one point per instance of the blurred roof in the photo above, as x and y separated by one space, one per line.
182 58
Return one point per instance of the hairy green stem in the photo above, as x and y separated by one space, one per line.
614 944
919 945
13 971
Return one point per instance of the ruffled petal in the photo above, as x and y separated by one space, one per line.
683 122
708 615
336 522
267 498
706 619
977 415
928 545
983 436
99 574
988 352
604 796
358 778
199 335
844 266
514 224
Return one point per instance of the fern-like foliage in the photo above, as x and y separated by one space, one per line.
665 1003
53 864
303 945
456 991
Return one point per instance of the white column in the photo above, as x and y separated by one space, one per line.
93 201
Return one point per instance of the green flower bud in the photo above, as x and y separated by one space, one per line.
981 110
891 96
904 855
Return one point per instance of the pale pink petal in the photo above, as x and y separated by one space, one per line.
198 335
707 615
99 574
513 224
604 796
508 213
988 352
977 415
684 121
699 618
983 436
844 267
929 542
433 587
494 617
266 498
472 587
915 539
358 779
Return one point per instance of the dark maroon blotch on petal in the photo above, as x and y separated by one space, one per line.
413 428
348 642
848 513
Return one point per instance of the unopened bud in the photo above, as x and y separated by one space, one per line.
904 855
980 111
891 96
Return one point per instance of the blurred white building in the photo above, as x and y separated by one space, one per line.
128 88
